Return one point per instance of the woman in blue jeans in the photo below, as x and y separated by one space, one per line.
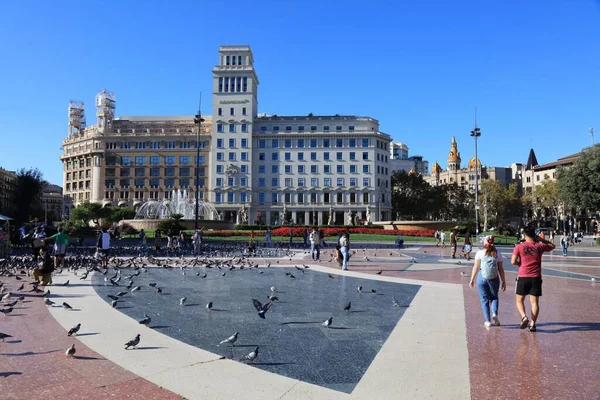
344 251
489 271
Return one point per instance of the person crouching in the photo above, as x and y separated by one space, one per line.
43 273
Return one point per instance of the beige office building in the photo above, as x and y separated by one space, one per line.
126 161
8 181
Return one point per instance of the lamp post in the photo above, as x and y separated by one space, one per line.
475 133
197 120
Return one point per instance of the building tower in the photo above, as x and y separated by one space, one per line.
234 108
453 157
76 118
105 110
436 170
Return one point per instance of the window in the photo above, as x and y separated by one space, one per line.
140 172
124 172
274 182
154 160
230 181
365 169
275 143
352 156
288 198
261 182
220 128
338 128
339 143
231 128
314 169
288 169
184 171
244 112
154 182
327 181
201 160
301 182
263 128
365 143
169 160
327 169
300 169
231 156
351 142
313 128
274 156
261 169
313 156
365 155
313 143
244 168
353 169
340 169
300 129
288 143
300 143
288 128
186 145
244 197
275 129
326 197
244 156
326 156
169 182
230 197
352 197
184 160
366 182
232 143
184 182
219 168
274 169
288 156
288 182
155 145
220 112
170 145
124 183
352 181
219 156
219 143
232 111
244 84
140 160
300 198
261 198
170 171
300 156
218 197
244 128
326 143
325 128
340 181
261 156
338 156
126 161
314 182
219 181
244 143
262 143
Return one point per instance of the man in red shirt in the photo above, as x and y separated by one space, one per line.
528 257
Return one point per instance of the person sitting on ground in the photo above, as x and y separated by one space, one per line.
43 273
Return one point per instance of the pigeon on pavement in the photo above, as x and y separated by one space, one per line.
133 342
327 323
182 301
70 351
252 356
347 308
4 336
66 306
48 302
209 305
146 320
231 339
74 330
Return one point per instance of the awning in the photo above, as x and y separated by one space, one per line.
5 218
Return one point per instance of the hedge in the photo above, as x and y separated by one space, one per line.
299 232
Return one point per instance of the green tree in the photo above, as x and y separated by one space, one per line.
86 212
28 192
410 196
579 184
116 214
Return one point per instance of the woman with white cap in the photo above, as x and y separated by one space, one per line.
489 270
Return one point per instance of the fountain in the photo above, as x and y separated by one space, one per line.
153 212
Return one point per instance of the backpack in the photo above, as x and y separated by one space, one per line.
489 267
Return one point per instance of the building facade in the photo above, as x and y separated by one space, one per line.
465 177
401 161
7 191
254 168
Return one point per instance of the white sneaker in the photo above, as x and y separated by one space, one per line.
496 320
487 324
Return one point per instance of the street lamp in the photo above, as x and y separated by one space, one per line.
475 133
197 120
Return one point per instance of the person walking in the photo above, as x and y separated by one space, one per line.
103 246
344 251
467 246
157 239
197 241
443 239
291 235
489 271
268 237
436 235
142 237
564 243
315 241
528 257
453 242
169 239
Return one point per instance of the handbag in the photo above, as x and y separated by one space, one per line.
38 243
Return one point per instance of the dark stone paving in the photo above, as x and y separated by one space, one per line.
292 341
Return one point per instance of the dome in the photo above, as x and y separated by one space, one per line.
436 169
472 163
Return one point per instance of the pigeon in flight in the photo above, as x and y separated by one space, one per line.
231 339
121 294
347 308
203 276
4 336
66 306
327 323
70 351
182 301
272 297
252 356
146 320
262 309
209 305
133 342
11 304
74 330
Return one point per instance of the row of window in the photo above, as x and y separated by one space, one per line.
300 128
298 198
154 182
141 195
154 160
232 111
233 84
232 128
339 156
314 182
79 164
155 171
142 145
230 60
79 175
314 169
313 143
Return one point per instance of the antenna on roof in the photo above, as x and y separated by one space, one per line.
592 134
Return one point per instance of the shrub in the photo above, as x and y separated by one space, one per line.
299 232
170 225
128 229
246 227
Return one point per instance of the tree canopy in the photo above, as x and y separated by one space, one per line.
579 184
29 187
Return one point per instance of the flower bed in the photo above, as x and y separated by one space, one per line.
299 232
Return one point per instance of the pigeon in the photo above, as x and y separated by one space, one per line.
373 291
48 302
395 302
74 330
327 323
330 276
121 294
46 294
182 301
158 290
223 274
113 303
292 276
273 289
21 287
347 308
272 297
203 276
129 285
11 304
359 289
4 336
231 339
379 273
70 351
66 306
135 288
153 284
66 283
209 305
252 356
594 279
112 297
133 342
146 320
6 311
262 309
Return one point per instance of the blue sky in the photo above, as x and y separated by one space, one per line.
420 67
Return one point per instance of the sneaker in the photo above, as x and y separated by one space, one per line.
496 320
487 324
